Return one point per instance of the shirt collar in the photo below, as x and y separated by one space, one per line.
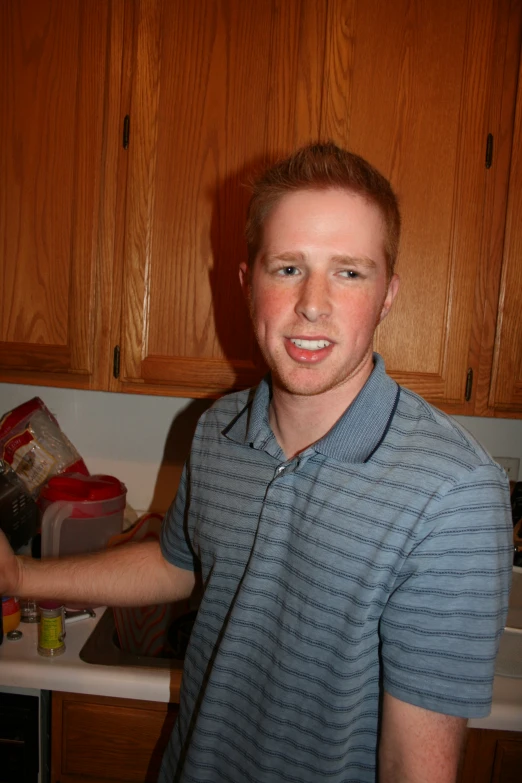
354 438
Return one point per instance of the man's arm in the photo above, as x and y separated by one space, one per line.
417 745
131 575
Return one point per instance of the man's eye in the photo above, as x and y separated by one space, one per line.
288 271
350 273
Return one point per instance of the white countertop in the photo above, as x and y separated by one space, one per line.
22 667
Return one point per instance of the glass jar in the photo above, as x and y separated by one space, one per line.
29 610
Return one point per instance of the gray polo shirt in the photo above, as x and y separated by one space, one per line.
380 557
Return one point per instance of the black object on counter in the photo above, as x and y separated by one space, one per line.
18 510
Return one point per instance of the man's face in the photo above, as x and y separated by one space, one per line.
318 288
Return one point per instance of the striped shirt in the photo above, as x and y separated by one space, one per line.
379 557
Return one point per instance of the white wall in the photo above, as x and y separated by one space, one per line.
143 440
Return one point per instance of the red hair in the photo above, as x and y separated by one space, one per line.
320 167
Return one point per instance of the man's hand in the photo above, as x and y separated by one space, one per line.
9 568
417 745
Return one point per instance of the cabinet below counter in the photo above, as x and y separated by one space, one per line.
98 738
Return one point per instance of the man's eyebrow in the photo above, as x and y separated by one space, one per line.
356 261
287 256
293 256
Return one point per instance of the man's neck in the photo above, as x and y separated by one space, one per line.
297 421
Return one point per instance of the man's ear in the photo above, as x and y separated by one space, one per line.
244 279
391 293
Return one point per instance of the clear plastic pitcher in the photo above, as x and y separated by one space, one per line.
80 513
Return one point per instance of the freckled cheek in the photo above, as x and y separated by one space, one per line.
269 306
360 304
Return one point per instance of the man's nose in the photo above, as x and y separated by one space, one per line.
314 298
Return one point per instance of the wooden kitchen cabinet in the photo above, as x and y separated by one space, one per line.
216 87
98 739
416 87
214 90
492 757
59 94
506 388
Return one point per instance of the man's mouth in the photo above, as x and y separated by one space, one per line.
310 345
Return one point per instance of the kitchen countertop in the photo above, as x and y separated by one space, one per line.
22 667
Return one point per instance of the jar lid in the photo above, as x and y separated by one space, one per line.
50 604
75 487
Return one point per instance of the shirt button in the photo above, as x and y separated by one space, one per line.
280 470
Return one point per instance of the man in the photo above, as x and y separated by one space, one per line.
353 542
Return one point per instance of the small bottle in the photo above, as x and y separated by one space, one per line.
10 613
29 610
51 633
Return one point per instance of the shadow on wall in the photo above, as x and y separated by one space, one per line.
229 198
177 447
235 335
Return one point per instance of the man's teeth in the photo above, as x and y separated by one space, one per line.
311 345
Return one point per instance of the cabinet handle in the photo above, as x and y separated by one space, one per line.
116 361
469 385
126 131
489 151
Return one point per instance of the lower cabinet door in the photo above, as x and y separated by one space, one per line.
492 757
102 739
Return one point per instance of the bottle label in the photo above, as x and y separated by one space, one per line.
51 637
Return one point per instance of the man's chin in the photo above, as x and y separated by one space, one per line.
304 383
311 381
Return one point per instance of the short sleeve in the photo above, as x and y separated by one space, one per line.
441 626
175 541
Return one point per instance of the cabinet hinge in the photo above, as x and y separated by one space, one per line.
469 384
489 151
116 362
126 131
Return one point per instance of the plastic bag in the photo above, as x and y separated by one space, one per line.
33 444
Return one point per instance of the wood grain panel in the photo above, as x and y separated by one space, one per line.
492 757
57 59
501 123
107 739
408 86
202 379
506 390
237 84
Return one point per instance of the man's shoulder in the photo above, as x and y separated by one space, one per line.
421 428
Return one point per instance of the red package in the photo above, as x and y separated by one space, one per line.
33 444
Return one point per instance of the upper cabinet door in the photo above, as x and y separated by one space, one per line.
218 87
506 388
56 57
413 86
